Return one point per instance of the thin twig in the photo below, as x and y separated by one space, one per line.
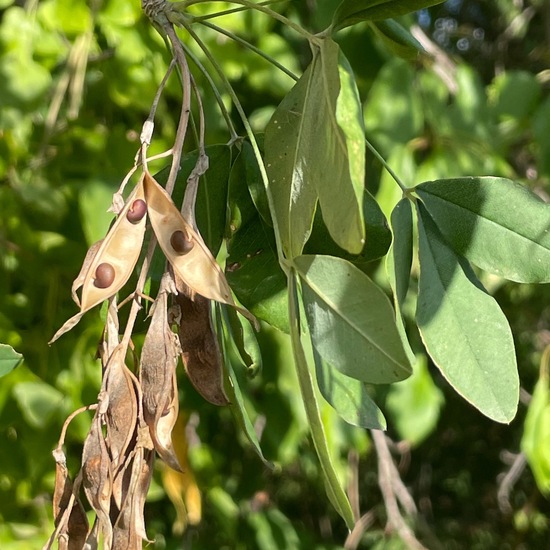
508 481
362 524
396 521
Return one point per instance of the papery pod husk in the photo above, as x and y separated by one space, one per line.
196 267
72 535
158 380
120 249
199 345
129 527
122 412
97 478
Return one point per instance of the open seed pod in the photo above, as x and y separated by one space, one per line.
184 248
199 345
110 262
159 358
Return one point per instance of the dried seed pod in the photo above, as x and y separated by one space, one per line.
197 267
104 275
120 249
199 345
159 358
137 211
180 242
121 414
97 478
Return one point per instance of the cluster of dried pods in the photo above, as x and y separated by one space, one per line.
138 407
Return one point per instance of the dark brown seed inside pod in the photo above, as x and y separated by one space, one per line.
136 211
180 242
104 275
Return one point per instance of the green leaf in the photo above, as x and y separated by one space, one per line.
535 442
347 396
314 149
351 321
397 38
415 404
463 328
350 12
93 200
377 240
398 265
252 267
498 224
244 340
37 401
9 359
334 489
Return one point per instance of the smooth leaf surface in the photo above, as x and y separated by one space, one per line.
463 328
498 224
350 12
351 321
397 38
38 402
314 149
9 359
347 396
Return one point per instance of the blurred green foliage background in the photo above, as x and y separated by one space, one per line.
76 83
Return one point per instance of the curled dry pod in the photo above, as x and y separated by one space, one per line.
120 250
199 345
97 478
196 267
159 358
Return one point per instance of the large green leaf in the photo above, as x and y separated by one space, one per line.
498 224
351 321
314 149
335 492
9 359
347 396
350 12
535 442
463 328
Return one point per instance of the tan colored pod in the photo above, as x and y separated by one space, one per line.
118 254
184 248
110 262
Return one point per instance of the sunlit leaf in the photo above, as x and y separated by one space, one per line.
310 154
499 225
463 328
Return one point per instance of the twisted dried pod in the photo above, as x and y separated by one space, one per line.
184 248
110 262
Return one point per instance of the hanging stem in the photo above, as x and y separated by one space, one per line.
382 160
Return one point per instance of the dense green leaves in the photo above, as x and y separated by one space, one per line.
463 328
499 225
315 151
351 321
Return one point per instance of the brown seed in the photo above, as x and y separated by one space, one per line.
137 210
104 275
181 242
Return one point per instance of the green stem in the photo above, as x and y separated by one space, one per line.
382 160
251 47
334 489
250 134
181 6
201 18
